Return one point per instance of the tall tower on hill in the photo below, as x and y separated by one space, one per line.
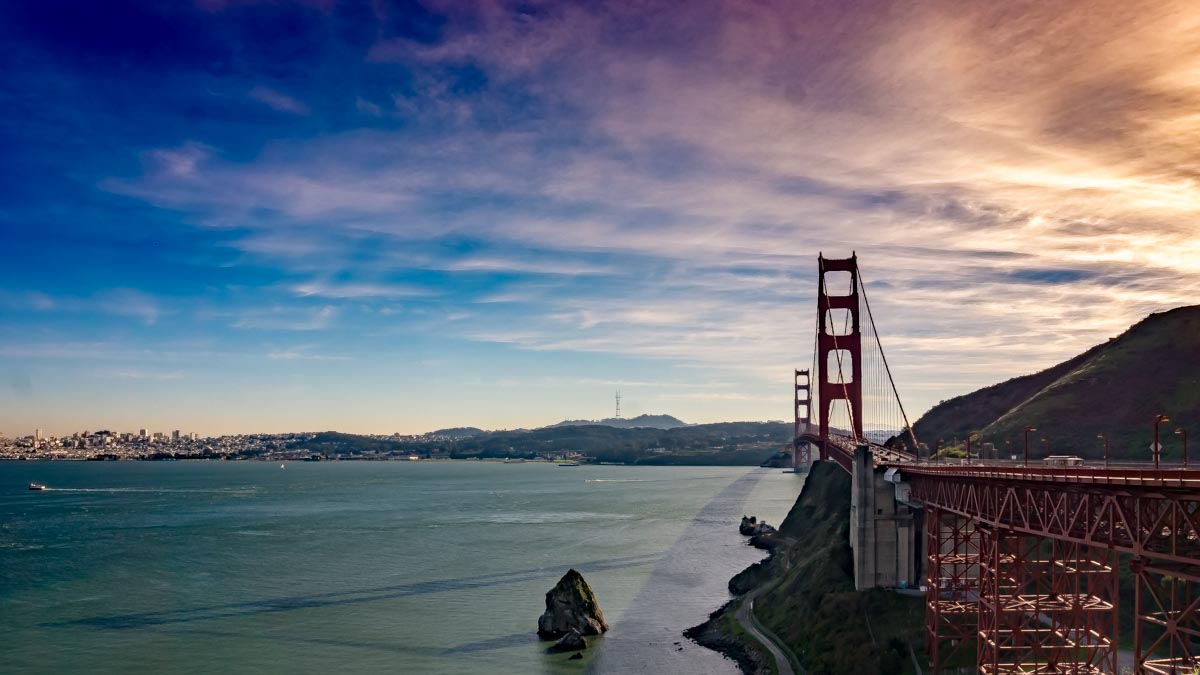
618 404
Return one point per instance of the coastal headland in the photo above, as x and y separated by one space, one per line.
803 597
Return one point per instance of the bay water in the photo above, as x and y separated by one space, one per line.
348 567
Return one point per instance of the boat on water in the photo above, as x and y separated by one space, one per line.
569 462
38 486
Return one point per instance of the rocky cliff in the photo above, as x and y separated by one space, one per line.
808 597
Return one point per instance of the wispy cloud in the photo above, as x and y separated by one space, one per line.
277 100
286 318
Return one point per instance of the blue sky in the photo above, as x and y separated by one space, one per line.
229 216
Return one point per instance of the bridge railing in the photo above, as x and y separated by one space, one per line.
1124 474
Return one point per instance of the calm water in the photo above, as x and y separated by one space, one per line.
206 567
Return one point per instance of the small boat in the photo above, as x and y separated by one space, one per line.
282 466
569 462
38 486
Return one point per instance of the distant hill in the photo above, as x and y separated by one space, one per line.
1116 387
458 432
641 421
726 443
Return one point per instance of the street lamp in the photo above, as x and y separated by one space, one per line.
969 436
1183 432
1027 430
1158 419
1104 435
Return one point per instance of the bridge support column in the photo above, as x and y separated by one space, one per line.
1167 616
1045 605
883 532
951 589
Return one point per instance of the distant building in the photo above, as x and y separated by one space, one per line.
38 436
175 435
143 433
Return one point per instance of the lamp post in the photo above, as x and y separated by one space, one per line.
969 436
1104 435
1027 430
1158 419
1183 432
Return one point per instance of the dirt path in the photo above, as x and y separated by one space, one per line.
745 617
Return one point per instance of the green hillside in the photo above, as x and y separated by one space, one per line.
807 595
1116 388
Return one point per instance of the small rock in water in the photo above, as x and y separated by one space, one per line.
747 525
570 642
571 605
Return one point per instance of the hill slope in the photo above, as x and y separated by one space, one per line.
1116 387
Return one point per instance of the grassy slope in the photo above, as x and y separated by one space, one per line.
814 607
1116 387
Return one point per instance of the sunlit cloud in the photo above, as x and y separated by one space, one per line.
1020 182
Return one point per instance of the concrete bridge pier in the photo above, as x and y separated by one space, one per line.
883 532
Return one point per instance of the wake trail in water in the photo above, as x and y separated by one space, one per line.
680 594
151 490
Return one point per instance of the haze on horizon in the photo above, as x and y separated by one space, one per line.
237 216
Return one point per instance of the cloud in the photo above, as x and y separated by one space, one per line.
353 290
278 101
129 303
133 374
286 318
1018 180
303 353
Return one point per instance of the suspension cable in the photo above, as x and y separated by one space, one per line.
912 434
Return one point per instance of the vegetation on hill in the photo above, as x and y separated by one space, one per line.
811 603
653 421
458 432
1115 388
729 443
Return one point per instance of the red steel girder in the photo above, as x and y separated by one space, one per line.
1146 522
951 593
1045 605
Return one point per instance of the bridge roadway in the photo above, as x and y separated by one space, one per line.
1005 528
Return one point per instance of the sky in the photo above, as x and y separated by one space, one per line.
230 216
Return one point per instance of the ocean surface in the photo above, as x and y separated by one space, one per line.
364 567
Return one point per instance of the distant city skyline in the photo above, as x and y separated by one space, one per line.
232 216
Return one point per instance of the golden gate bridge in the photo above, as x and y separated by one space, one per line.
1020 563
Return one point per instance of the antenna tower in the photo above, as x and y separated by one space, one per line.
618 404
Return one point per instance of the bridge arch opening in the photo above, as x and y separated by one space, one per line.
841 419
838 283
839 322
839 367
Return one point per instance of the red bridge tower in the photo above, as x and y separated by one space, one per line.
801 450
842 343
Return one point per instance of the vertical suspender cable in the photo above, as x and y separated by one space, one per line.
912 434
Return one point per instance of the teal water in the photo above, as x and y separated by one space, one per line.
421 567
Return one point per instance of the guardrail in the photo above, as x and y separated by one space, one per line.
1133 474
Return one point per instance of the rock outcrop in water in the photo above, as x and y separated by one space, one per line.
571 606
571 642
761 534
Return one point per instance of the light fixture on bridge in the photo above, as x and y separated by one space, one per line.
1156 449
1183 433
1027 430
